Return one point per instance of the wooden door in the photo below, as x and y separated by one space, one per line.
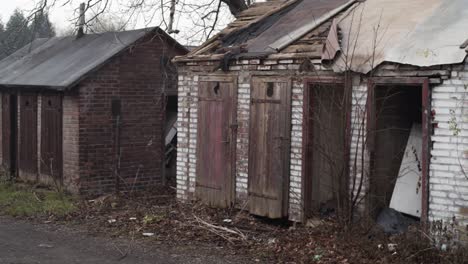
270 130
216 141
51 136
9 128
28 133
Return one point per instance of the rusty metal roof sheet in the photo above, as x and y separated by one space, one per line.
282 23
303 18
59 62
416 32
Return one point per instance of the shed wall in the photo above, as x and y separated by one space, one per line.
448 180
125 152
189 75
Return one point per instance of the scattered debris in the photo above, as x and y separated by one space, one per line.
227 220
45 246
393 222
148 234
111 221
392 247
272 241
132 218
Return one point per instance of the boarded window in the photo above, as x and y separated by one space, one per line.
216 141
51 136
270 129
28 134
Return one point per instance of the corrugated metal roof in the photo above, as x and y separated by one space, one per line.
416 32
60 62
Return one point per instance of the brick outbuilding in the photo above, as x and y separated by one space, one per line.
88 113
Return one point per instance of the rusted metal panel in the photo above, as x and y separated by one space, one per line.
386 35
51 136
270 130
216 142
28 133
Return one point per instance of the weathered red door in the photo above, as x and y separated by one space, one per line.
9 127
270 130
28 133
216 140
51 136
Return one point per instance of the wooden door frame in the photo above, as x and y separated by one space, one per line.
232 78
286 186
305 129
416 82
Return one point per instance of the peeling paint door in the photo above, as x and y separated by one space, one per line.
216 141
9 132
28 133
270 130
51 136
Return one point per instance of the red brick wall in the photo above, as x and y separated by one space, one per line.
137 79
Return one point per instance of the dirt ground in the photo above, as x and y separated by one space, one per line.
27 243
157 220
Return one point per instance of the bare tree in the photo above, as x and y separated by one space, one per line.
198 20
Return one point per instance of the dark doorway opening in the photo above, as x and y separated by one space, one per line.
397 123
325 159
170 140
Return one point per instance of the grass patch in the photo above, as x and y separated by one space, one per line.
23 201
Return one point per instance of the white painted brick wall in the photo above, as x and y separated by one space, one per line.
296 203
358 183
448 180
242 151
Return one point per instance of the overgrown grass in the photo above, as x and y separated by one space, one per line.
26 201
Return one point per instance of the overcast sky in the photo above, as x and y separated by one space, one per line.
62 17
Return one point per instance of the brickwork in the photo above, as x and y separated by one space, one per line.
70 134
448 180
103 152
135 161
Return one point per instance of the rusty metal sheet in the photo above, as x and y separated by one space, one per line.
51 136
216 143
28 133
286 27
375 31
270 130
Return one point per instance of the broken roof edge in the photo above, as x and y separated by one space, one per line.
414 68
221 35
287 40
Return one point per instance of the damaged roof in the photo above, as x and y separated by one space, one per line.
60 62
269 27
417 32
